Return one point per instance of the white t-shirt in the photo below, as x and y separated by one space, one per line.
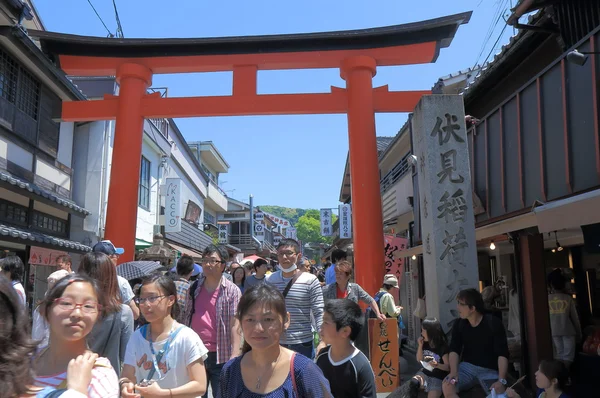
125 289
186 348
20 291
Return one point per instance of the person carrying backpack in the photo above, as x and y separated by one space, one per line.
385 300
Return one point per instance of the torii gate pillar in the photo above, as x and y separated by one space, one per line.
121 213
358 71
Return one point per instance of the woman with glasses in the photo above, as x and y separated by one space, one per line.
111 333
71 309
343 288
163 358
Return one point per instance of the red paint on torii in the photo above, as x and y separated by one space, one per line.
356 53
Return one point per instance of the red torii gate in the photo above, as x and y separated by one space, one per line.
357 53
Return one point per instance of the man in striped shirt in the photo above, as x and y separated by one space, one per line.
303 298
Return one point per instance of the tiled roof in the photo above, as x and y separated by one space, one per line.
383 142
39 237
4 176
513 42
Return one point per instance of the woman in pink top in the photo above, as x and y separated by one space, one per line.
71 309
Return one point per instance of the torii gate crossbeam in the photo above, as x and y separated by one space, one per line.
356 53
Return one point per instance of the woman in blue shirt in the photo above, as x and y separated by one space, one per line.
266 369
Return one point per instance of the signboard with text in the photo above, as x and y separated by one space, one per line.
259 231
384 350
291 233
394 262
41 256
345 215
326 229
173 205
223 233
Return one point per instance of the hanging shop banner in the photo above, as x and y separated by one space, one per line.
259 216
345 215
223 233
326 229
394 262
41 256
173 205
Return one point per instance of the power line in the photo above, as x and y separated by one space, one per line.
495 44
497 16
100 18
119 27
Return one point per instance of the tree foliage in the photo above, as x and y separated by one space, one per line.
306 221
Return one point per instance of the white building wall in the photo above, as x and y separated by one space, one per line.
16 154
146 218
65 143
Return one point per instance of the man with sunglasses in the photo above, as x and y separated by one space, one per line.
303 298
210 310
127 296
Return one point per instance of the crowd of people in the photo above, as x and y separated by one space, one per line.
238 330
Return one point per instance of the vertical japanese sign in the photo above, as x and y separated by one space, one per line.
394 262
291 233
383 341
259 231
223 233
326 222
345 216
259 216
173 205
447 219
277 240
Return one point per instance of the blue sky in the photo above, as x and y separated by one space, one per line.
293 161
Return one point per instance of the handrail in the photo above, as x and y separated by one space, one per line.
394 175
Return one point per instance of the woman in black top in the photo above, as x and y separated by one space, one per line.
433 350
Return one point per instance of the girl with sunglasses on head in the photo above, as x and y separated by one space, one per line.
71 309
163 358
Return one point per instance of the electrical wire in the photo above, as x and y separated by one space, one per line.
100 18
497 16
119 27
495 44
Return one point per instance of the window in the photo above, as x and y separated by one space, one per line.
46 223
8 77
144 190
29 94
209 219
13 213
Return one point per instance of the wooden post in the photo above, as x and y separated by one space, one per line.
535 300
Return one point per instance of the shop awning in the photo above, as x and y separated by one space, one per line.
142 244
184 250
567 213
13 234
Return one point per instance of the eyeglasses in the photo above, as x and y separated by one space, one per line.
150 300
67 304
211 261
286 254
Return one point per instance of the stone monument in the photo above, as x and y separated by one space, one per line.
446 200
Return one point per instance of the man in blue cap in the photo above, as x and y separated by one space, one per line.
113 253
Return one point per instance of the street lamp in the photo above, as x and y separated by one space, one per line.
579 57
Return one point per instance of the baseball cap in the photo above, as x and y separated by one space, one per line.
107 248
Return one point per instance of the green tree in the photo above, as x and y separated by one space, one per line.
309 227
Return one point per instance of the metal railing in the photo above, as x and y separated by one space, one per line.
240 239
221 191
162 125
395 174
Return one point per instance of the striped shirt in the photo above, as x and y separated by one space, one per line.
304 298
228 298
104 384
